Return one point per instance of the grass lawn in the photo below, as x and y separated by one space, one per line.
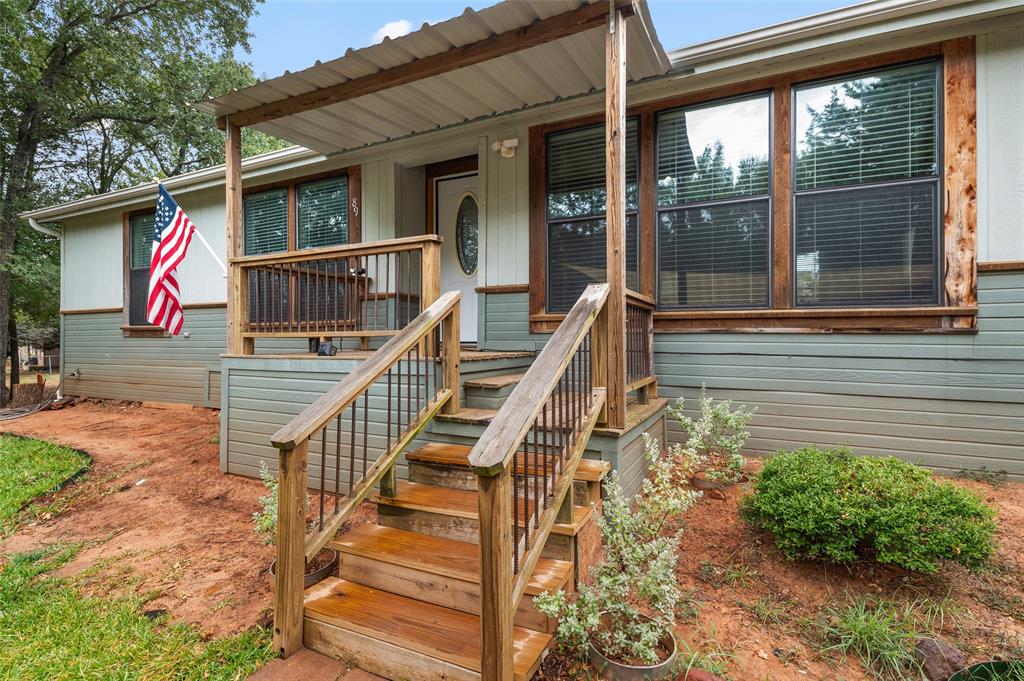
49 631
28 469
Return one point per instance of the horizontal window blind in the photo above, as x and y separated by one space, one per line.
578 257
576 208
879 127
872 246
140 237
714 256
322 213
575 172
867 199
266 221
141 240
714 152
713 221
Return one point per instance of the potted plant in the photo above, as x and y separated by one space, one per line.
623 623
715 441
318 569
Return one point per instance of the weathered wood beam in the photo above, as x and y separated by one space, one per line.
615 178
541 32
961 176
291 559
237 293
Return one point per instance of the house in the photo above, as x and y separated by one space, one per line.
821 219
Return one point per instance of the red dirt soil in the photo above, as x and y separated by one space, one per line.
158 516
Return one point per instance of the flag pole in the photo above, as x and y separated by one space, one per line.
205 243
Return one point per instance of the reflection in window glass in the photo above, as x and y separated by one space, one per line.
867 189
576 200
713 210
265 225
322 213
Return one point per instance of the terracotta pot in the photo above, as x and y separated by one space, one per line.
311 578
610 670
702 483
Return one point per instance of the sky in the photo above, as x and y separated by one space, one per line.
293 34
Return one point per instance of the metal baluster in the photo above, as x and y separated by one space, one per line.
337 461
352 449
366 430
323 470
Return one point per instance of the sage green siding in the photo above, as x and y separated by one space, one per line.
952 401
157 369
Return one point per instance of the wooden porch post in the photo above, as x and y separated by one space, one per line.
291 544
237 292
496 609
615 178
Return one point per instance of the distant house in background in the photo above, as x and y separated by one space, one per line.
825 216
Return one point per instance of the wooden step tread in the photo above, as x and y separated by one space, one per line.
439 556
494 382
430 630
470 415
461 503
448 454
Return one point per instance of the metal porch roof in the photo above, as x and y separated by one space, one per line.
566 67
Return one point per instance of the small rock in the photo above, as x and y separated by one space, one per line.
938 659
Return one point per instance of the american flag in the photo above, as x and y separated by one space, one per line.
171 237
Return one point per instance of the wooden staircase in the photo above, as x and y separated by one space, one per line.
406 602
441 585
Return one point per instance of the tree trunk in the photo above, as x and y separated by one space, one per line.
12 333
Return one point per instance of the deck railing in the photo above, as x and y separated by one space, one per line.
640 345
357 290
525 462
349 440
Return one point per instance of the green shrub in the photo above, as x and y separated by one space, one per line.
831 505
719 433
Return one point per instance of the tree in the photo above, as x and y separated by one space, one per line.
95 96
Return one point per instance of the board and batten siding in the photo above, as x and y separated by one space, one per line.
147 369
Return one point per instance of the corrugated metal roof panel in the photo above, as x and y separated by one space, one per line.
503 84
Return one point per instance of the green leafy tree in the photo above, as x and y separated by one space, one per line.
95 98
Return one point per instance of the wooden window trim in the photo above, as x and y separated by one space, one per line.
464 165
128 330
959 226
355 225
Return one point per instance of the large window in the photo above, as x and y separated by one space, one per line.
713 207
866 189
140 250
321 210
818 200
575 212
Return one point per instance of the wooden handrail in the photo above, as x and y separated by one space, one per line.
341 395
409 243
494 451
639 299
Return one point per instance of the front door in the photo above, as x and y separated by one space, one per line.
457 218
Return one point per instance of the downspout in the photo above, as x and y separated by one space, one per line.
42 230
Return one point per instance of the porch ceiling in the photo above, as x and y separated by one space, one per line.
564 67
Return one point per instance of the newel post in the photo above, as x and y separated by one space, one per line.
615 178
291 548
451 356
496 610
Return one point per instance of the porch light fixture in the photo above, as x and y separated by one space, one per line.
506 147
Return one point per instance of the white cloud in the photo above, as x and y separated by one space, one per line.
393 29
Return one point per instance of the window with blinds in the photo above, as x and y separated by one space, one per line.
713 205
265 216
140 252
321 214
867 190
575 212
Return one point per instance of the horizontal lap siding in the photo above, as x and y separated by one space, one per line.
950 401
159 369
